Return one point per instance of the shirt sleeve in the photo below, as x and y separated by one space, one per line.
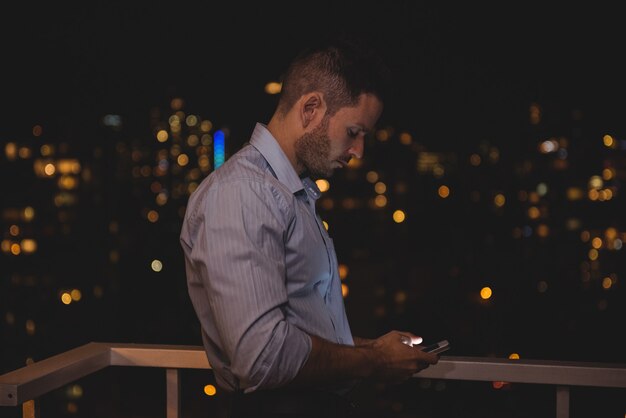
240 259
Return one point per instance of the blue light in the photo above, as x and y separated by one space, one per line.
218 148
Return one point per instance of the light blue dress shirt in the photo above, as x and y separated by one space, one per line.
261 268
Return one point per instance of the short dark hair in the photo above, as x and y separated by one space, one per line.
341 68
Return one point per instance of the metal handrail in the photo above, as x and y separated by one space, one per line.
24 385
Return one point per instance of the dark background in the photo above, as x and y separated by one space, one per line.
466 76
460 69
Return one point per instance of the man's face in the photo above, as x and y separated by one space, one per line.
337 139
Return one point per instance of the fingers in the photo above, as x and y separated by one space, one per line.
400 357
409 338
412 340
429 358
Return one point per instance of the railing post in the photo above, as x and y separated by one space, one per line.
562 402
30 409
172 381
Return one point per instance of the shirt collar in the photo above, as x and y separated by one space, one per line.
267 145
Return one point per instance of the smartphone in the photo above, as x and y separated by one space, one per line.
437 347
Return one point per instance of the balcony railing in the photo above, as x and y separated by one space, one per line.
23 386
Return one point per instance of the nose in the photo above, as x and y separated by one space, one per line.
357 148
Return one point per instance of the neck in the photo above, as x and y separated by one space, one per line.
286 138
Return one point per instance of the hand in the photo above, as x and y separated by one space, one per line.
397 361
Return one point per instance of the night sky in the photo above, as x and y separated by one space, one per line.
460 71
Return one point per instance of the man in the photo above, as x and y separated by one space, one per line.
261 268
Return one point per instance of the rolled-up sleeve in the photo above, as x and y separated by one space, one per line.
238 260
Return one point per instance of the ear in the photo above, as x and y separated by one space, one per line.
312 109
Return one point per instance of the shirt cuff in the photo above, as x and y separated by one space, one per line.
282 358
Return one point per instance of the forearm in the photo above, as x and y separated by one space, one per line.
329 361
385 358
360 341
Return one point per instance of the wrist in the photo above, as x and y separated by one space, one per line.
359 341
370 360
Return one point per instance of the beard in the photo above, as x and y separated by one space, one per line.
313 151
